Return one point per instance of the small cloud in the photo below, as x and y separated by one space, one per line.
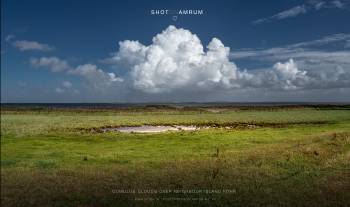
319 5
303 9
24 45
66 88
67 84
59 90
347 44
293 12
329 4
53 63
8 38
96 76
22 84
113 78
109 60
338 4
288 73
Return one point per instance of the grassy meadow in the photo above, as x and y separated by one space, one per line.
269 156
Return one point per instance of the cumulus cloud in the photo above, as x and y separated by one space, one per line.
97 77
289 74
176 60
325 60
24 45
67 88
53 63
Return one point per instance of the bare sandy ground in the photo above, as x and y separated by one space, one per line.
152 129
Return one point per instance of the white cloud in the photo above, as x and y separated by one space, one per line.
290 12
347 44
320 5
59 90
67 84
67 88
24 45
289 74
114 78
95 76
9 37
53 63
325 68
304 8
282 53
330 4
311 51
176 60
338 4
341 37
295 11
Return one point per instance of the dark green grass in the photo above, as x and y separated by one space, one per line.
48 160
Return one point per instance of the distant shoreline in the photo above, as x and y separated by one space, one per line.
176 105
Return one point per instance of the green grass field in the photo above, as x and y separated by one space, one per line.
272 157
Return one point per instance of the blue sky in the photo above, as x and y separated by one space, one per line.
78 51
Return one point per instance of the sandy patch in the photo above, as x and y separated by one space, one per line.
151 129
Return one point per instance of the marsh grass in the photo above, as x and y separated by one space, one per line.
46 160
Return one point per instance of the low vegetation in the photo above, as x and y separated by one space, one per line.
294 156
